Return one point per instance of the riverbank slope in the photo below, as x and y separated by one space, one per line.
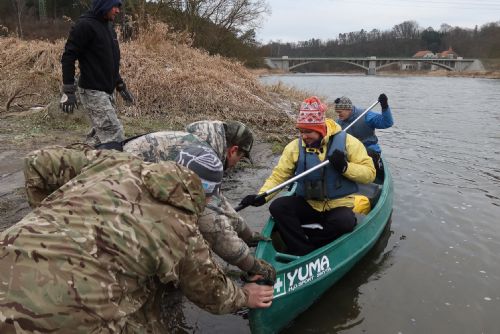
173 83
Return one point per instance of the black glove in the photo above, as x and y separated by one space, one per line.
253 200
125 93
383 101
338 161
267 271
68 100
337 100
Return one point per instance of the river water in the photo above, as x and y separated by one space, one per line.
436 269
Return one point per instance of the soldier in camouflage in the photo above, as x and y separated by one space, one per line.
89 258
223 228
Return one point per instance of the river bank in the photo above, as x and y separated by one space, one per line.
439 73
492 72
173 83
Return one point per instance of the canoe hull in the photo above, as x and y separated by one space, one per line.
302 280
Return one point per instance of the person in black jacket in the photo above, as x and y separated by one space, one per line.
93 42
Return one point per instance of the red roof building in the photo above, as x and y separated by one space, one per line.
448 54
424 54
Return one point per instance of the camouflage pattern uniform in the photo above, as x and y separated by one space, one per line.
89 257
223 228
101 109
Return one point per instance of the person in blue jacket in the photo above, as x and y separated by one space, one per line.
364 128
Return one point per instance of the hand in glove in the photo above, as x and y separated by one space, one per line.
338 161
253 200
263 269
125 93
383 101
68 100
255 238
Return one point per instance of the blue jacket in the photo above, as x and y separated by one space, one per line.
364 129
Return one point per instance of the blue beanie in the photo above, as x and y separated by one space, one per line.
101 7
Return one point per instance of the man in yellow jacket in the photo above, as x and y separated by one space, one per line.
324 198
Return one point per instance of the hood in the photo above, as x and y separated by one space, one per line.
101 7
331 127
163 180
212 132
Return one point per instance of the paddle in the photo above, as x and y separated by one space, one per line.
301 175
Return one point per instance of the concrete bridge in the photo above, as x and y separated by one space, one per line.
372 64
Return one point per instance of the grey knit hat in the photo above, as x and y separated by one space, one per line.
204 162
343 103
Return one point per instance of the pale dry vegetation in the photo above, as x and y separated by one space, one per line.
29 72
171 81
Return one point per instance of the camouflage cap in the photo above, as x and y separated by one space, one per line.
239 134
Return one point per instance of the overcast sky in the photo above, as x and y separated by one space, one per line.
300 20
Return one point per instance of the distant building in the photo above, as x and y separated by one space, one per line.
450 54
407 66
427 65
424 54
419 66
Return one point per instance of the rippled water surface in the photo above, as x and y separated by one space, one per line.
436 269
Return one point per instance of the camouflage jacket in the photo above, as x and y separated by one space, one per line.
82 260
223 228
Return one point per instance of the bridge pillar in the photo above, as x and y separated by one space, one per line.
372 65
285 64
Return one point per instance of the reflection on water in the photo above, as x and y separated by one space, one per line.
438 269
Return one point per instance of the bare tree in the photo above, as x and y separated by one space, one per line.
445 28
234 15
406 30
19 6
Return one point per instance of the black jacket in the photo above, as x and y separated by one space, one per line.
93 42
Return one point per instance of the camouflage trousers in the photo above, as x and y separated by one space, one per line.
101 110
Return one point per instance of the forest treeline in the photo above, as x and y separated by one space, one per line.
228 28
225 27
403 40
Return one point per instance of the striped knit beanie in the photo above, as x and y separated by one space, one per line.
205 163
312 115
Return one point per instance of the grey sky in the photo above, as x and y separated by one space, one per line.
299 20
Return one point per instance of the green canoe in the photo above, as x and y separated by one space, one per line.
301 280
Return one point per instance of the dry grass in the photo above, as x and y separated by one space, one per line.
170 80
29 72
491 64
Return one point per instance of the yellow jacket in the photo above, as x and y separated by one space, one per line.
359 168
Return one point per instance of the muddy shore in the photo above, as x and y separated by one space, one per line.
16 142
